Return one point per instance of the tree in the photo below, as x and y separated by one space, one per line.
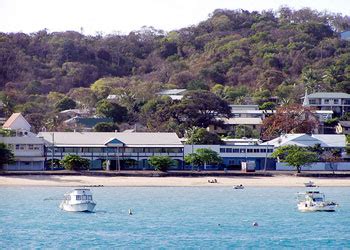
201 108
161 163
6 155
112 110
75 162
203 156
331 157
267 106
295 156
245 131
105 127
203 137
65 103
193 159
292 118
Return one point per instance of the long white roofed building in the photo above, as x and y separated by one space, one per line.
117 150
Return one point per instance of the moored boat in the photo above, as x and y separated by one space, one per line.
240 186
314 201
78 200
310 184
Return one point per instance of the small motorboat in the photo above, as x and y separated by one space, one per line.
314 201
309 184
240 186
78 200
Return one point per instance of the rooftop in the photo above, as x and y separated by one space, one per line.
13 118
345 123
88 122
172 91
244 107
242 121
334 95
100 139
306 140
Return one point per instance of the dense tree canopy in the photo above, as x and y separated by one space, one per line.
290 119
202 136
242 57
6 155
161 163
75 162
295 156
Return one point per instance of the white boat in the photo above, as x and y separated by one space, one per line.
314 201
238 187
310 184
78 200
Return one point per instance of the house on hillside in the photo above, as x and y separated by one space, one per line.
76 112
229 125
17 122
249 111
174 94
338 102
85 123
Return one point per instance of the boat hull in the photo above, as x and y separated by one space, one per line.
80 207
316 208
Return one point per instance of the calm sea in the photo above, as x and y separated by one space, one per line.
172 217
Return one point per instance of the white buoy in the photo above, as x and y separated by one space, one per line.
255 224
130 212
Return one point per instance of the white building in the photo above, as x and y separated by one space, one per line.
338 102
119 150
27 148
326 141
16 122
174 94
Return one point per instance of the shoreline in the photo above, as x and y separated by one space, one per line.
200 181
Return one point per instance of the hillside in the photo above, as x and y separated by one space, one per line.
241 56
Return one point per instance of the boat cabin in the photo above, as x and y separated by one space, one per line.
79 195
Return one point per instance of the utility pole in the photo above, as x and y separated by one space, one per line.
266 156
118 160
53 149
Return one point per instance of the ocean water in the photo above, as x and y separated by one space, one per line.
172 217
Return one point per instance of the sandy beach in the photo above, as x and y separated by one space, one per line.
257 181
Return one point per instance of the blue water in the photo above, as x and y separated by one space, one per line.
172 217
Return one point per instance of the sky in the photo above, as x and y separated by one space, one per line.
123 16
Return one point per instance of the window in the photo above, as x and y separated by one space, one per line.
250 150
228 150
78 197
263 150
222 150
326 101
256 150
242 150
236 150
84 197
69 150
89 197
270 150
336 101
30 146
312 101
